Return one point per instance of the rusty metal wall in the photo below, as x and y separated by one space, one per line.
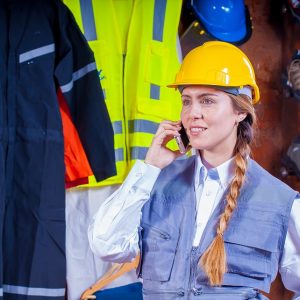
275 37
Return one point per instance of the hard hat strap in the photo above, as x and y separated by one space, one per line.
245 90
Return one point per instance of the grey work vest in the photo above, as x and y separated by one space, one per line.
254 238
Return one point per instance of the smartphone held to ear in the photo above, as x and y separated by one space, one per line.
182 140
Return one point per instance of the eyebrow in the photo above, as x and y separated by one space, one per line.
199 96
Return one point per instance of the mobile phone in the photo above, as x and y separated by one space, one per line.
182 140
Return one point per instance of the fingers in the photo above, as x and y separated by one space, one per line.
164 126
166 131
158 154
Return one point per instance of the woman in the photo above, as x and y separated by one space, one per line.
215 225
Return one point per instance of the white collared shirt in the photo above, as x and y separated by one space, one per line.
113 233
210 186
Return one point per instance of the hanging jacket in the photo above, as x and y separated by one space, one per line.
134 42
254 238
42 50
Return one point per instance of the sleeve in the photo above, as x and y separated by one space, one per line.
113 232
76 163
290 263
77 77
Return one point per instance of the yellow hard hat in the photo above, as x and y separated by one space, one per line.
218 64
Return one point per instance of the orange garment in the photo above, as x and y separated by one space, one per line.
77 166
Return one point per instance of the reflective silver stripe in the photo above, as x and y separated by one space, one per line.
1 292
88 21
159 19
138 152
154 91
83 71
142 126
30 291
36 52
104 94
119 154
67 87
117 126
77 75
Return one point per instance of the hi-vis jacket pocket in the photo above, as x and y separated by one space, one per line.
154 98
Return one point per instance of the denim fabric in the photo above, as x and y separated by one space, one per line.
254 238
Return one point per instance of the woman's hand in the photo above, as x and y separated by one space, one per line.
158 154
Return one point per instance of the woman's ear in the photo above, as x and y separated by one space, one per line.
241 117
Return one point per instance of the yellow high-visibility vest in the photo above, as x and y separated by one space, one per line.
135 47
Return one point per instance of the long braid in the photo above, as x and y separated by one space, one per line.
213 260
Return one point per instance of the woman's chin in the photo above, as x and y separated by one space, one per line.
198 146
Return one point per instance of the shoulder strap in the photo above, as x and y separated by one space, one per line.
114 272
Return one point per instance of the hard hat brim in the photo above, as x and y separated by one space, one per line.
255 94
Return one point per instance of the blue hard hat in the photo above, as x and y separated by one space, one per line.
294 6
225 20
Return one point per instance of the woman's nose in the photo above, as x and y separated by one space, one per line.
196 112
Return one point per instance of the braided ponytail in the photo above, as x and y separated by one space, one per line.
213 261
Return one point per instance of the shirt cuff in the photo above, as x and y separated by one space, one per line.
146 176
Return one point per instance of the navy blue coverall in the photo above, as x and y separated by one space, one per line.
41 50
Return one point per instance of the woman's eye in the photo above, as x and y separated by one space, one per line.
185 102
206 101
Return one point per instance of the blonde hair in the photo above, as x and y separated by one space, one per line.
213 261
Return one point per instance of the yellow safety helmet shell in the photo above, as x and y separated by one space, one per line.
217 63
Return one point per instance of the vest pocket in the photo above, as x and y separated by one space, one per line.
251 261
158 252
252 242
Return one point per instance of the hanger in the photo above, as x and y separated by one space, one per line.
114 272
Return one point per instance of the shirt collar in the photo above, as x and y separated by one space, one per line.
224 172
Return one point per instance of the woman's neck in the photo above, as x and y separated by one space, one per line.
211 160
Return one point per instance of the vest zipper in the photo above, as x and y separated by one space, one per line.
164 235
192 254
192 268
179 293
248 293
127 149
